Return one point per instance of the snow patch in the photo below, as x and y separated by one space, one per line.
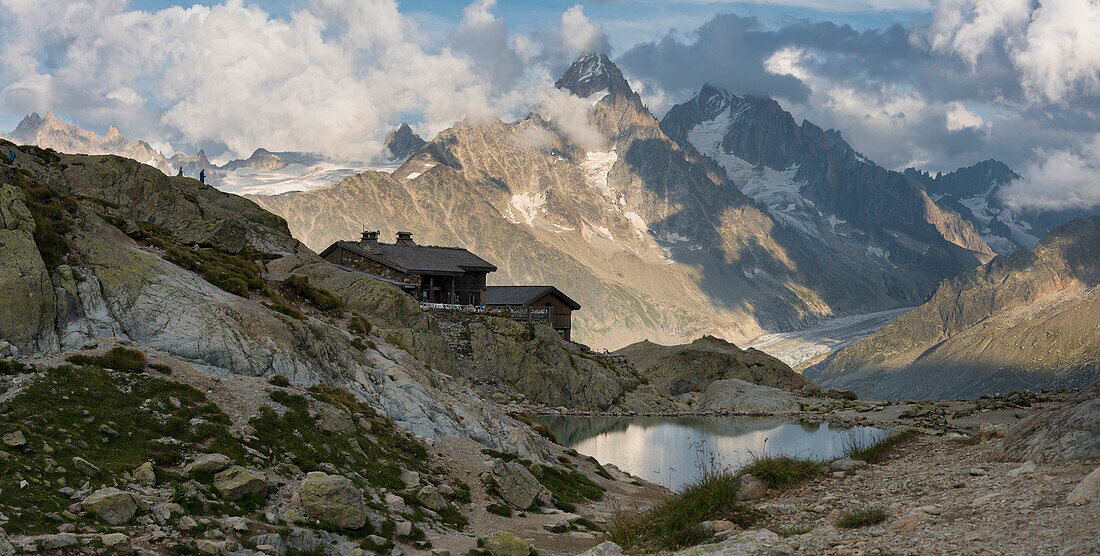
595 98
597 166
413 176
639 225
528 206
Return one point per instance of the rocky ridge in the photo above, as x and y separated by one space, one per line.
1020 321
50 132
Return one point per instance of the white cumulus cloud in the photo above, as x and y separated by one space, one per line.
333 76
1059 180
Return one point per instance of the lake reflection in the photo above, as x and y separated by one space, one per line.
671 450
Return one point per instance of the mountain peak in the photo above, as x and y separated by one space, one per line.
403 142
593 73
113 135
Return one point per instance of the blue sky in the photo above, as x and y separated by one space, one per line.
934 84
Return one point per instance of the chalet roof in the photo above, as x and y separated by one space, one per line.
421 259
524 295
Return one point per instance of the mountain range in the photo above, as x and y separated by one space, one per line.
262 172
724 217
1021 321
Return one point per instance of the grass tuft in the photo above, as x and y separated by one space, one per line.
119 359
783 471
861 518
874 451
323 299
678 522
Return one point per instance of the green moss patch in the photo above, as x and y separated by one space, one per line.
116 421
295 436
236 273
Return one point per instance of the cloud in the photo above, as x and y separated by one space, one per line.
484 37
332 76
1059 180
958 117
579 35
568 114
533 138
1054 44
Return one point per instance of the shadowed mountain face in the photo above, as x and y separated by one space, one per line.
814 183
975 193
1026 320
402 143
652 238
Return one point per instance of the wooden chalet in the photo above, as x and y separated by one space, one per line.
560 306
448 275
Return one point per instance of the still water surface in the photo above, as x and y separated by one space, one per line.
671 451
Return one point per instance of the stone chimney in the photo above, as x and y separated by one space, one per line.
369 243
406 239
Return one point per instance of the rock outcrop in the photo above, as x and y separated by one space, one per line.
676 370
544 367
738 396
1072 431
25 288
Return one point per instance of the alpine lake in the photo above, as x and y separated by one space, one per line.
675 451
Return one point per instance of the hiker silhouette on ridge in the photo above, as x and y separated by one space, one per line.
202 176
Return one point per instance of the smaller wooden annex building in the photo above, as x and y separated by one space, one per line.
560 305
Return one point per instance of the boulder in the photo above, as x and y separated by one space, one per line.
840 394
208 547
811 390
1070 431
504 543
431 497
144 475
116 543
606 548
739 396
333 420
207 464
411 479
333 499
1087 490
57 542
987 431
751 488
516 484
15 439
111 505
237 481
84 466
